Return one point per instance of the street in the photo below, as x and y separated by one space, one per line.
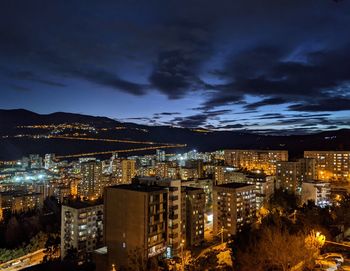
24 261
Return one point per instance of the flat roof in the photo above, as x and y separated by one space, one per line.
138 187
19 193
191 188
78 204
234 185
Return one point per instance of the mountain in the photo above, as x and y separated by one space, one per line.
195 139
16 117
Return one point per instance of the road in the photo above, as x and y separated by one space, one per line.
24 262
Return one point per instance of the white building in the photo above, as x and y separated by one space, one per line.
81 227
316 191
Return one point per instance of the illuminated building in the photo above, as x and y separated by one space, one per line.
205 184
225 174
193 206
188 173
264 160
49 161
35 161
20 201
196 164
136 220
317 191
290 175
90 185
331 165
234 205
160 155
81 227
174 205
264 187
161 170
123 170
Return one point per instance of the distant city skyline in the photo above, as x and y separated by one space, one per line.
218 65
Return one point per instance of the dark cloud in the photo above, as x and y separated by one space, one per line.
268 101
294 55
198 120
30 76
317 82
167 113
321 105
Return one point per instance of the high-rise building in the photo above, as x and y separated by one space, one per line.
331 165
90 185
234 205
290 175
124 170
187 173
160 155
161 170
136 223
317 191
264 187
193 202
35 161
49 161
264 160
228 174
174 205
81 227
20 201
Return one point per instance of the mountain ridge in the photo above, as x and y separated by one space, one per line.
202 141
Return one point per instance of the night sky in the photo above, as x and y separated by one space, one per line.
258 65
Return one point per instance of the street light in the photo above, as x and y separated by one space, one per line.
182 254
315 239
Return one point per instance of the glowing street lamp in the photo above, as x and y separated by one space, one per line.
315 240
182 254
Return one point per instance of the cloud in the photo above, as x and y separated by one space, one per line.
313 85
167 113
198 120
30 76
322 105
268 101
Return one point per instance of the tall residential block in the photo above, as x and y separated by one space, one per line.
174 207
136 219
81 228
331 165
317 191
234 205
265 160
123 170
193 215
291 175
90 186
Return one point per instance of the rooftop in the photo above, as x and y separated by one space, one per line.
138 187
78 204
233 185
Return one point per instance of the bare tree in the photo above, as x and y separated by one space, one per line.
275 249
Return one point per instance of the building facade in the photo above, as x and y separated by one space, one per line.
291 175
317 191
90 186
136 219
81 228
331 165
234 205
264 160
193 215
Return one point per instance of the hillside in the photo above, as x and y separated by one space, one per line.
11 147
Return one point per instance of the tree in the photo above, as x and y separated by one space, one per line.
51 248
273 248
137 261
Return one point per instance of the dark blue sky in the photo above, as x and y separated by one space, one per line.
248 64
